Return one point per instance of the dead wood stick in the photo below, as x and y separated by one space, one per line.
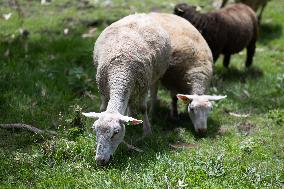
131 147
26 127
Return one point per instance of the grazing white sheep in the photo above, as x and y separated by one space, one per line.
199 107
190 69
130 55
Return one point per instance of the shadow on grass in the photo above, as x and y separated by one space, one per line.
233 74
165 133
18 138
50 61
54 72
166 124
35 85
212 126
268 32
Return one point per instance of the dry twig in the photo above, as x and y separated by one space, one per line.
26 127
238 115
131 147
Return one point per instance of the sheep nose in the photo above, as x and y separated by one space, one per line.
201 131
101 161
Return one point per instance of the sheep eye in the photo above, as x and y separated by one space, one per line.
191 109
115 132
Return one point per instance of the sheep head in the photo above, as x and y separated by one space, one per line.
110 131
183 8
199 107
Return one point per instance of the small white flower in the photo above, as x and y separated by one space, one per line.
7 16
181 184
66 31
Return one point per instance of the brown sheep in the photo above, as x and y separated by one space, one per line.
227 31
254 4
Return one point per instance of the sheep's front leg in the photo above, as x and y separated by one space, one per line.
224 2
260 14
250 53
226 60
174 111
154 99
131 109
146 123
215 57
103 103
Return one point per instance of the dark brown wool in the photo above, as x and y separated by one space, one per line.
254 4
227 31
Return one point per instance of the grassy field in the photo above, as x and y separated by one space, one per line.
47 79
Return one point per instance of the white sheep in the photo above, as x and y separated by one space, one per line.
131 55
190 69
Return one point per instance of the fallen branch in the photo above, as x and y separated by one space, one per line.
131 147
183 145
26 127
238 115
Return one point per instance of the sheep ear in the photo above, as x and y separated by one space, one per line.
92 115
198 8
185 98
132 120
189 98
215 98
179 10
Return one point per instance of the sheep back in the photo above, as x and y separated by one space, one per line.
254 4
190 67
227 30
239 23
131 53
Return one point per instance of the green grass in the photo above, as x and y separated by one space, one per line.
53 80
